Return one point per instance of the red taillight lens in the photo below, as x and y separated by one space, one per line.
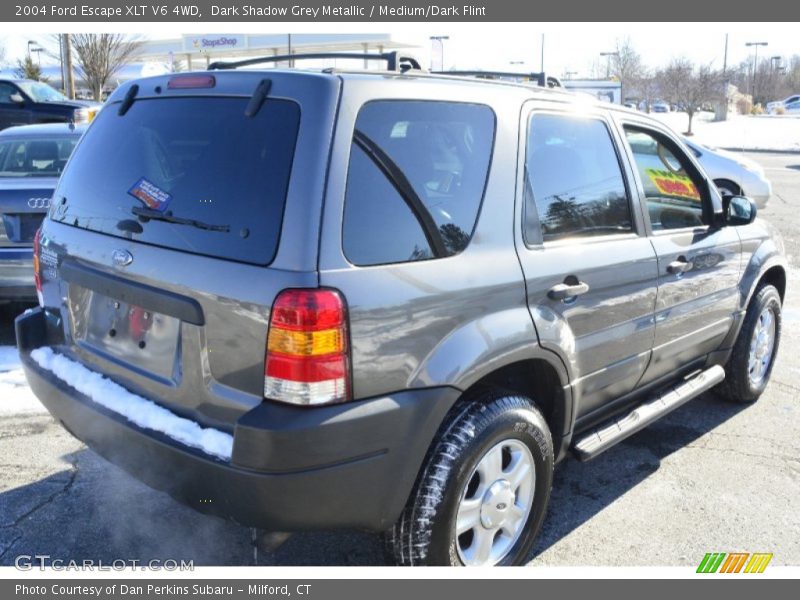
186 82
308 359
37 272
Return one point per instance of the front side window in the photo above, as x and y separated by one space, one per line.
574 182
416 180
673 199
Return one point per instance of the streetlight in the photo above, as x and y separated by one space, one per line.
755 64
608 56
569 74
439 40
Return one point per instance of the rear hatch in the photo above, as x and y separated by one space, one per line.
166 242
23 204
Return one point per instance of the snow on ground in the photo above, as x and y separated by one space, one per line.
16 398
739 132
136 409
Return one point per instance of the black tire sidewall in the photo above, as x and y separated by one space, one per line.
526 426
766 297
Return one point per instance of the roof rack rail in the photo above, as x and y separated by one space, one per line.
394 60
542 79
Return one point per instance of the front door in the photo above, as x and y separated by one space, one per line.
698 264
589 268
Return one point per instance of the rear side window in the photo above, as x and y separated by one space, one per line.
574 182
416 180
192 174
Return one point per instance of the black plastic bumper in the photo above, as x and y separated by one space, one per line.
350 465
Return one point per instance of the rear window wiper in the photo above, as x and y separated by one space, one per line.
149 213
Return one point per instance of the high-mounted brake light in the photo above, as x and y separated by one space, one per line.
37 272
185 82
308 359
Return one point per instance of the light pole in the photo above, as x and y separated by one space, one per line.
439 41
569 74
755 64
608 56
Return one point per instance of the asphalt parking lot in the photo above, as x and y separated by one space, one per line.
709 477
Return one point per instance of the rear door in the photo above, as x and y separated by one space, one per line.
698 264
590 270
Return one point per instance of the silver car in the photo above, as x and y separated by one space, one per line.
733 173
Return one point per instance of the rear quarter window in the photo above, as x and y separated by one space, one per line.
199 160
416 180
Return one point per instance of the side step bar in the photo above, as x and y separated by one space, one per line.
611 432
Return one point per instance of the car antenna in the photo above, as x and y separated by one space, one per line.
128 100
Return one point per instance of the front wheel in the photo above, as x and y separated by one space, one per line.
750 365
483 491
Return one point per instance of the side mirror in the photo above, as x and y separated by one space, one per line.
739 210
17 98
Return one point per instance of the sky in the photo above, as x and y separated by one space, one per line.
567 46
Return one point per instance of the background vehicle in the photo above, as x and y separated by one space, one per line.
732 173
407 298
24 102
660 107
31 160
772 106
792 107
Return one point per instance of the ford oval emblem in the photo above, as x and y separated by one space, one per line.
121 258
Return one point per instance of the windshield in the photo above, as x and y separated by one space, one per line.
41 92
188 162
35 156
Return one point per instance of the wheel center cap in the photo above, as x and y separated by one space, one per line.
497 501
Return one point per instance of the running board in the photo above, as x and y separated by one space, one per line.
611 432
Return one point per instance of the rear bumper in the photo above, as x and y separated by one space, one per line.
345 466
16 274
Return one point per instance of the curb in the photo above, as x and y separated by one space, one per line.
761 150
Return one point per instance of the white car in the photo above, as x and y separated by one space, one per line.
733 173
773 106
793 107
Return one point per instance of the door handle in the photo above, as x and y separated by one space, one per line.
566 291
679 266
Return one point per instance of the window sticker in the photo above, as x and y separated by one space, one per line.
150 194
673 184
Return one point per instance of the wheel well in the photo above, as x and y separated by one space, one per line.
536 379
730 183
775 276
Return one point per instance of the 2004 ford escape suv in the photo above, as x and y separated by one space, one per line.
389 301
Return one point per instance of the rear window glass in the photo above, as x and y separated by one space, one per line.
35 157
416 180
193 174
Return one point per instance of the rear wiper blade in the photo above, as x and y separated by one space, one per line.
149 213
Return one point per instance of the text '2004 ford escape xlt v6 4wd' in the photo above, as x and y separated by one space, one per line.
387 300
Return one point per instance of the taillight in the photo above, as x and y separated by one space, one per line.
37 272
188 82
307 349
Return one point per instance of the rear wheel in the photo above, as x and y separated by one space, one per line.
483 491
750 365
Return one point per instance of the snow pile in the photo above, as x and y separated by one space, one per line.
739 132
138 410
16 398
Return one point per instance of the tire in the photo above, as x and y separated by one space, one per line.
507 428
745 381
727 188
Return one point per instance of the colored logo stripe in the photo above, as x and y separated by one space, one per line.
722 562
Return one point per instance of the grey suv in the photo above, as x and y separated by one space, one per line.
386 300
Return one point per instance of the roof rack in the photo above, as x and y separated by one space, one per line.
542 79
394 60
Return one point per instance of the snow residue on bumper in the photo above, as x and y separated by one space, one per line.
138 410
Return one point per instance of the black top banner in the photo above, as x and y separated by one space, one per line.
308 11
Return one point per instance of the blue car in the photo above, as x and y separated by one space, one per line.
31 160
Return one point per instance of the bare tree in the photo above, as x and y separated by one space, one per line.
627 65
688 86
648 88
99 56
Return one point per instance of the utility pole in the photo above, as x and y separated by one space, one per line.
542 65
69 83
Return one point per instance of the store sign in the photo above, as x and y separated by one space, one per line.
214 43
